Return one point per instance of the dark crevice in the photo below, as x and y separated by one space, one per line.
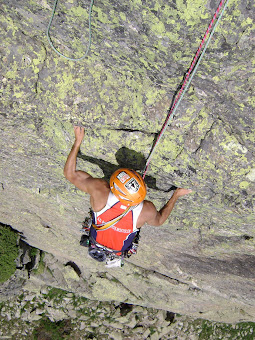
20 233
125 308
75 267
124 286
170 316
247 237
44 224
99 127
164 276
26 248
203 139
36 86
37 82
133 130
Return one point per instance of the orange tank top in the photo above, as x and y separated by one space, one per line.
119 236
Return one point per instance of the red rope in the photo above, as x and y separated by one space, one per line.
185 80
195 58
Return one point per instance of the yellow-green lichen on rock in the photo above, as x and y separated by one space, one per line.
121 93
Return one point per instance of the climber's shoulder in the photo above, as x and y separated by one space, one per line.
148 213
97 186
85 182
99 190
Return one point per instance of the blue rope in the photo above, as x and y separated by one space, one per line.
51 43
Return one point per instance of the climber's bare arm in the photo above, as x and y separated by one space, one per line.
80 179
96 187
156 218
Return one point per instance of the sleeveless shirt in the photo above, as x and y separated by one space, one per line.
121 235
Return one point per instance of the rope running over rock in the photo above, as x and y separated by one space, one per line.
189 76
51 43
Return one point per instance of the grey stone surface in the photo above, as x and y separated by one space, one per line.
201 262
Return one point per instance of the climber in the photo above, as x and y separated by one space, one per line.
123 199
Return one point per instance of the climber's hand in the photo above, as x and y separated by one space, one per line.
79 134
182 192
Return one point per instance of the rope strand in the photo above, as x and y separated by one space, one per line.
190 74
51 43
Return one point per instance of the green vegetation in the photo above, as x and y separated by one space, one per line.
212 330
56 294
1 306
33 251
41 265
52 330
8 252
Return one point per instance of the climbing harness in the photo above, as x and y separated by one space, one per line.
51 43
103 254
114 258
100 253
188 78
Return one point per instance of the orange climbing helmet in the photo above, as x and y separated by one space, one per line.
128 186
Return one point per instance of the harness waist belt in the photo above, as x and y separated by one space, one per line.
94 242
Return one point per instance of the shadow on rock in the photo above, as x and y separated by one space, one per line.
125 158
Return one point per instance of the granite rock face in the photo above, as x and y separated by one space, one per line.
26 316
201 262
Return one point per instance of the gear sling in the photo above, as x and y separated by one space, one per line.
98 252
